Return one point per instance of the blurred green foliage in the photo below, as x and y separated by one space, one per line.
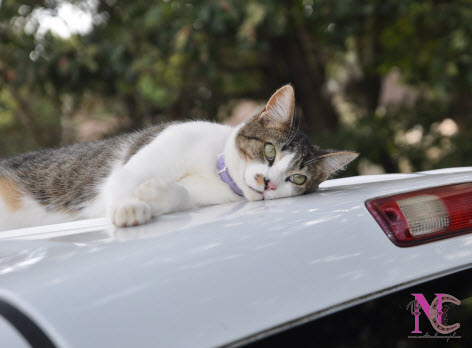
149 61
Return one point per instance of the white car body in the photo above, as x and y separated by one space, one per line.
222 275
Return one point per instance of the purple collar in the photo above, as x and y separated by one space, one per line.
224 175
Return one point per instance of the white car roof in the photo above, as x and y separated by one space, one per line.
221 274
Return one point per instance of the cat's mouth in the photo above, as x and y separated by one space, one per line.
255 190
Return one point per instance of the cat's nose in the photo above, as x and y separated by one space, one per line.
269 185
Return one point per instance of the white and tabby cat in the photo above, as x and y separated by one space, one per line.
166 168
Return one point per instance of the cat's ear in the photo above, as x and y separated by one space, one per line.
335 161
280 109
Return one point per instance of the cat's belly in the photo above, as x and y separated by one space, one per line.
18 210
28 213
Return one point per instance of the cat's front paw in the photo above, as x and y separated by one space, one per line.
131 213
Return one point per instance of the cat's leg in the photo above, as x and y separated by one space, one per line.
123 208
163 197
162 159
152 198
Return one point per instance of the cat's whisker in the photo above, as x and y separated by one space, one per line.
293 132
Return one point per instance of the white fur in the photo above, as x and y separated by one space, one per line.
31 213
176 171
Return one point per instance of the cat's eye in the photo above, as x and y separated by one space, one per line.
269 151
297 179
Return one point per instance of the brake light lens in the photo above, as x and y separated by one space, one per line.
426 215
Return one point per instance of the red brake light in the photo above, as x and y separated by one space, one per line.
422 216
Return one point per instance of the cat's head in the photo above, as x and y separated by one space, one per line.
277 159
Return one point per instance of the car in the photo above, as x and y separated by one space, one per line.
337 267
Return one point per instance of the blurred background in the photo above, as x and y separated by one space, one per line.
391 79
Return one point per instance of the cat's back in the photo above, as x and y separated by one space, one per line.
66 178
67 159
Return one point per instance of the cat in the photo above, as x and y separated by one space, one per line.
164 168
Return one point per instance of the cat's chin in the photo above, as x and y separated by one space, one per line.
253 195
